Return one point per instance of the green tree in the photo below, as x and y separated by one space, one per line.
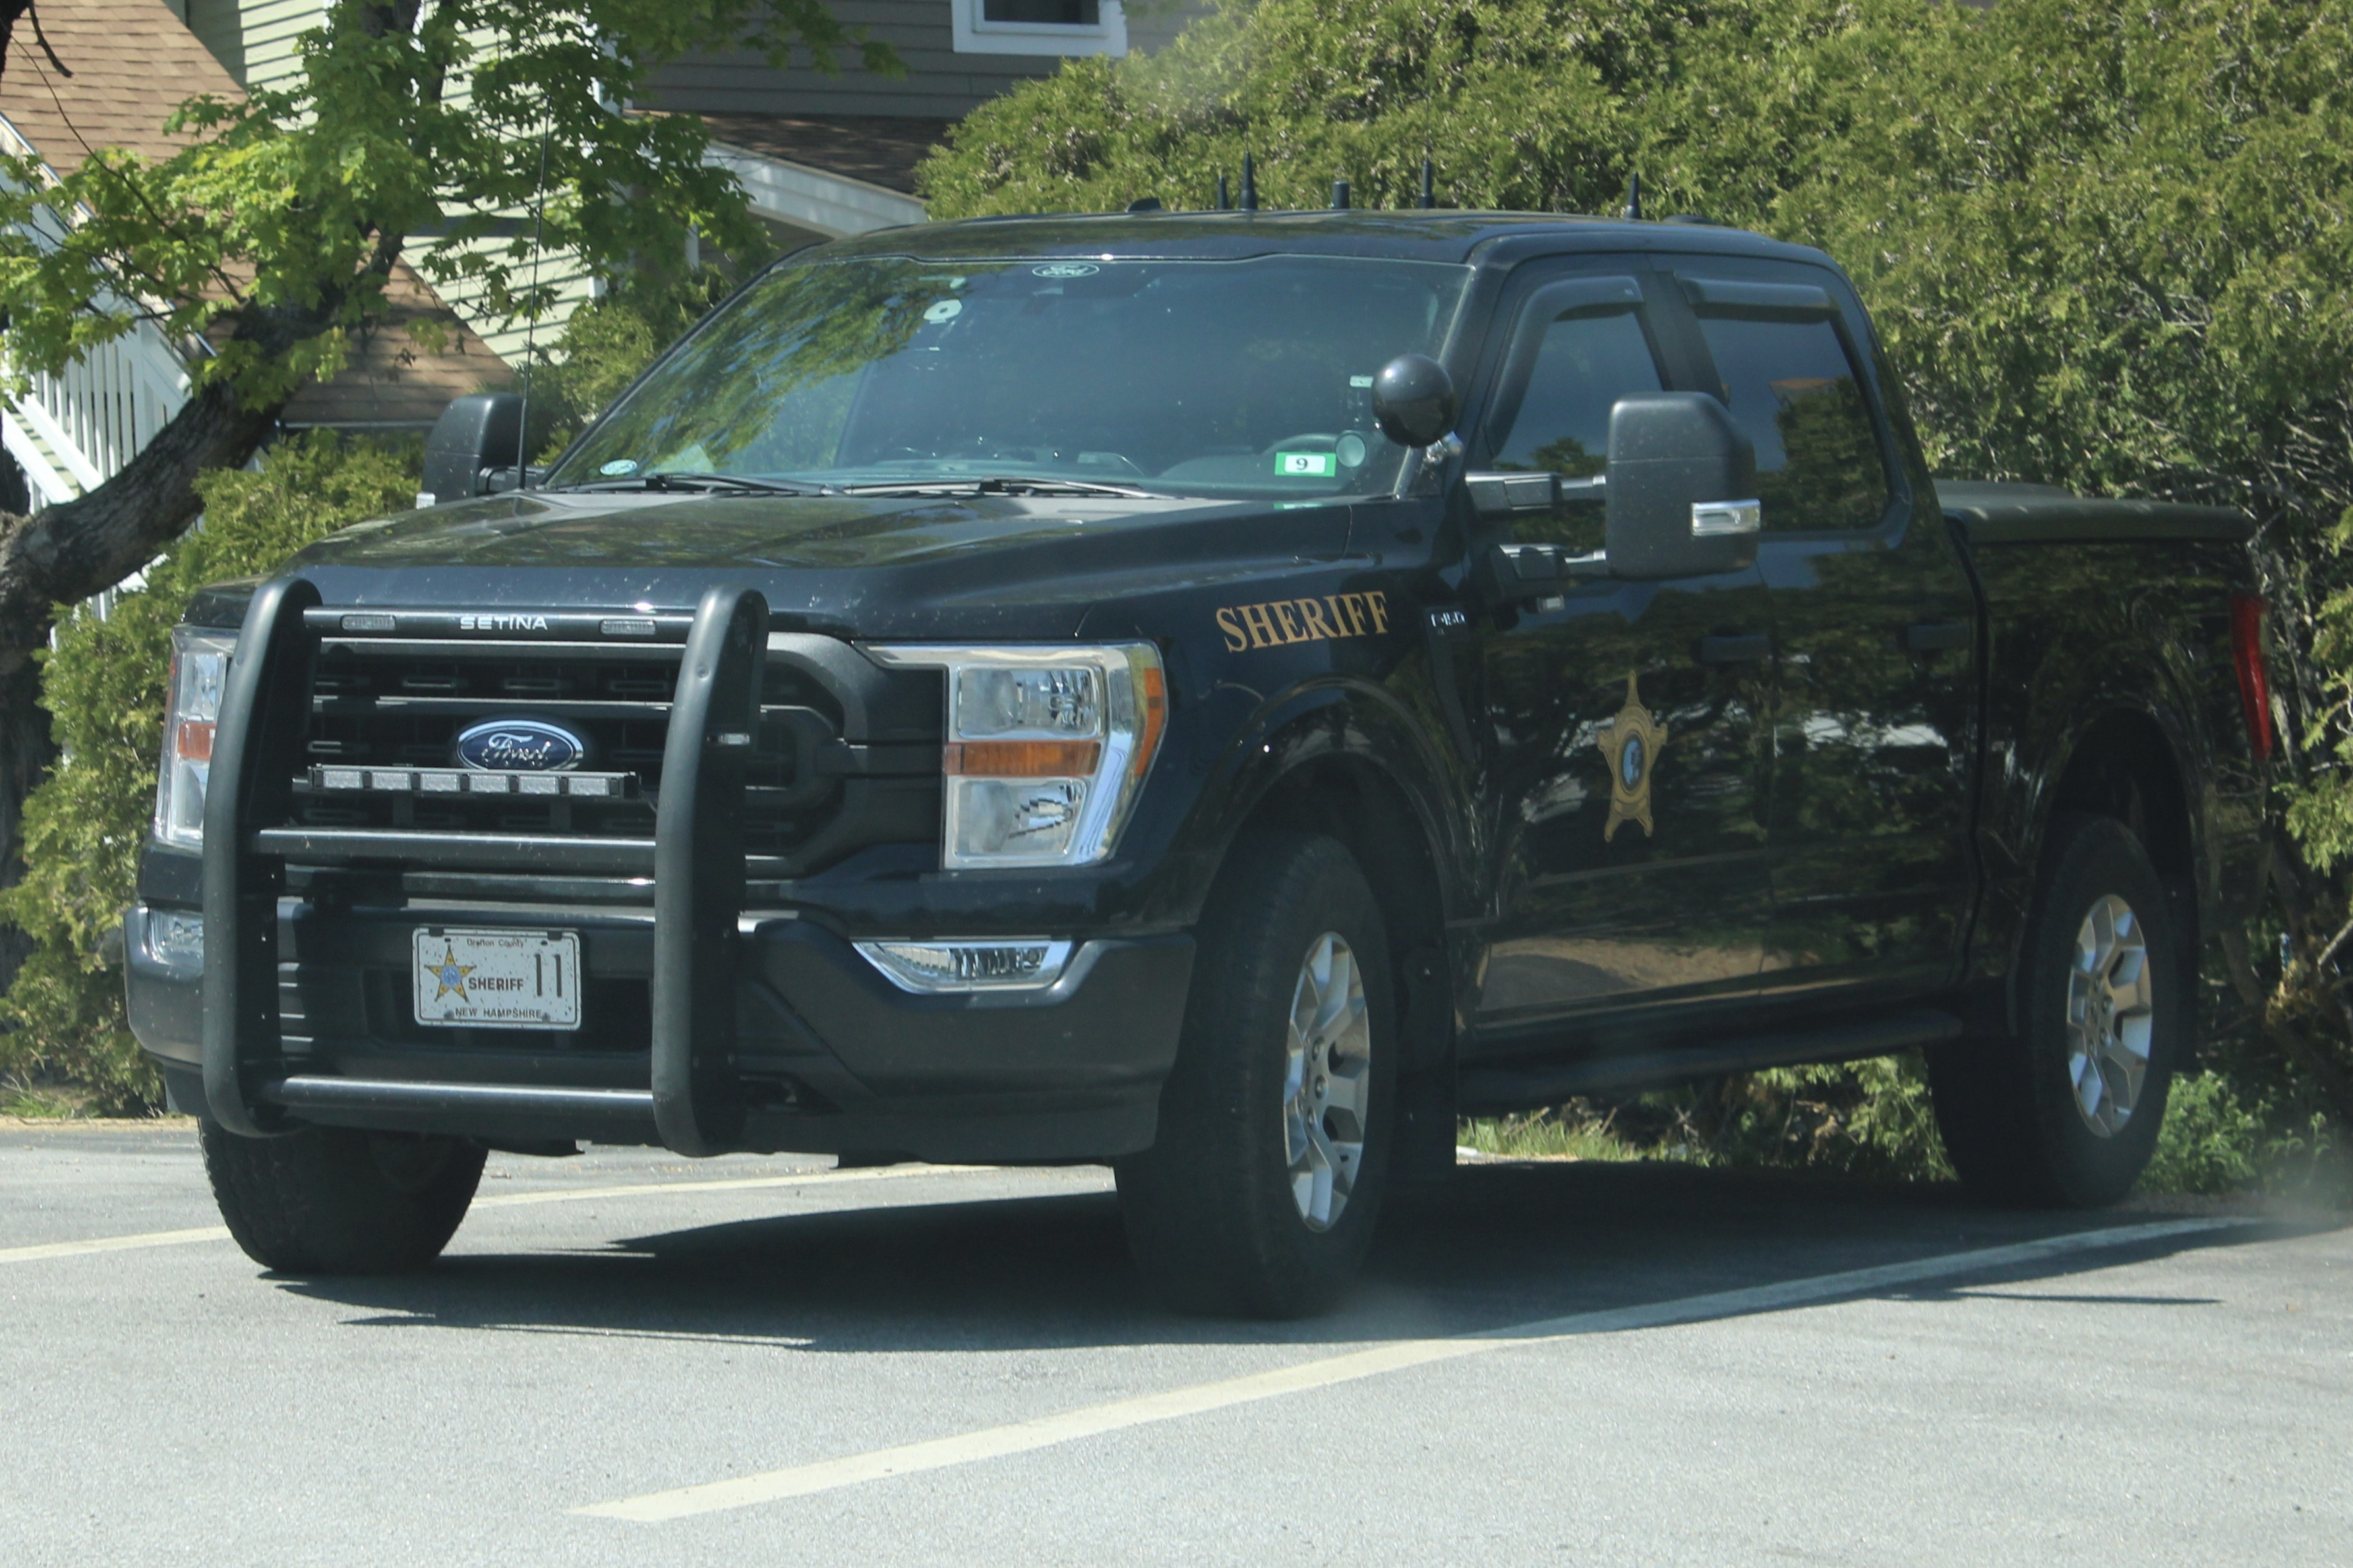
413 131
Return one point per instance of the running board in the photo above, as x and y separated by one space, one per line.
1489 1090
377 1096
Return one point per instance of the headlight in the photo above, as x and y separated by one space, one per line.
1047 748
191 708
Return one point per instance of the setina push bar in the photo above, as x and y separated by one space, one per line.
696 860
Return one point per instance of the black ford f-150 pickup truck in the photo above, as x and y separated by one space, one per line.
1220 694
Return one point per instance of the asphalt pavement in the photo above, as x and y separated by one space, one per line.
630 1358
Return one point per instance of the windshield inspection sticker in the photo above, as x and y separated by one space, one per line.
618 467
1307 465
1280 621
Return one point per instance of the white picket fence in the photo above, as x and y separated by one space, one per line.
72 432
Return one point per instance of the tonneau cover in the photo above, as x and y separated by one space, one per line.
1993 513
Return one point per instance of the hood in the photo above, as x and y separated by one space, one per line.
867 566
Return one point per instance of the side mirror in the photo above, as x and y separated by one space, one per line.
1681 487
474 438
1413 400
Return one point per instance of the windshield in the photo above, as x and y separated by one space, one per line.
1216 378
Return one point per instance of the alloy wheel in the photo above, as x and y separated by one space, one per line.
2111 1014
1328 1080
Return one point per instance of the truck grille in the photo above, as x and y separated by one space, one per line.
846 754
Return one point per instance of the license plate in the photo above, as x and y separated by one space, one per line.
498 979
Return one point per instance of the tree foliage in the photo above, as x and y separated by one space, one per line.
416 129
104 688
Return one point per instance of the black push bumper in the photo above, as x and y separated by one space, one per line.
710 1029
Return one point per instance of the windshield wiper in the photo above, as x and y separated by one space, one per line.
666 481
1001 485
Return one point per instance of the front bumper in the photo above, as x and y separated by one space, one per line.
828 1056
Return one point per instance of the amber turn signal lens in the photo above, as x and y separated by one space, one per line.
195 740
1154 703
1021 759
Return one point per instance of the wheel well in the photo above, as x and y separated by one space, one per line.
1369 815
1362 807
2123 768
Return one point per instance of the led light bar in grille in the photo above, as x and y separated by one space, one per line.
471 781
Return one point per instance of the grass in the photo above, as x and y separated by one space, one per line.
1543 1135
41 1104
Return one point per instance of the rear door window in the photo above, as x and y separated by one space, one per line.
1792 389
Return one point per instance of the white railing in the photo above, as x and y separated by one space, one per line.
73 431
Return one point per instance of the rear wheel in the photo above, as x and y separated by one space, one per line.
1261 1195
2067 1112
332 1200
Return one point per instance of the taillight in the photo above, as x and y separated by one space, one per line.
2254 680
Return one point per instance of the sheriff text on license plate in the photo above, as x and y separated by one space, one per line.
498 979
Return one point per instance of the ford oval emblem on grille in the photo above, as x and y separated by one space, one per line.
518 746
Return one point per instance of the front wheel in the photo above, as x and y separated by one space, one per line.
332 1200
2065 1112
1262 1192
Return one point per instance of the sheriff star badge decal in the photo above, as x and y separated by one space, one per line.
451 974
1632 742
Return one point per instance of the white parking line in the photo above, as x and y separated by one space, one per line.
1047 1431
112 1244
732 1184
504 1200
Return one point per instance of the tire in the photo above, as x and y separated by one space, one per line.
2065 1113
1242 1207
330 1200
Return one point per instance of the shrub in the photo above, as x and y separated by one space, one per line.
103 685
2211 1142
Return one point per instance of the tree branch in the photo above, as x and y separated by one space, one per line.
78 548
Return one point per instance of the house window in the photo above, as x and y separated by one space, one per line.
1039 27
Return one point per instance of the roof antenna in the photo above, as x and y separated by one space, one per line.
1225 202
1340 195
1632 212
1428 184
1249 186
531 323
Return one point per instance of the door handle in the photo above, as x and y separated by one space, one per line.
1735 650
1936 636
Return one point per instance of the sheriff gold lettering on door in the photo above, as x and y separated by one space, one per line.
1280 621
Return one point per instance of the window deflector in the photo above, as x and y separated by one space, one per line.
1599 296
1764 301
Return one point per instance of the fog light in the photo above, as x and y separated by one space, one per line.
1022 963
175 940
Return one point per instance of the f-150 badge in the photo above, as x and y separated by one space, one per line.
1632 742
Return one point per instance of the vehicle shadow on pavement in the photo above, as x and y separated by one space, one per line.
1505 1244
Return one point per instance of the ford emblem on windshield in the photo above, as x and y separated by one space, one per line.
518 746
1065 269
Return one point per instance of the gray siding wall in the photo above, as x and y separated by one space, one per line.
939 83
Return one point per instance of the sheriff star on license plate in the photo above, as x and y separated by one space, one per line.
498 979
